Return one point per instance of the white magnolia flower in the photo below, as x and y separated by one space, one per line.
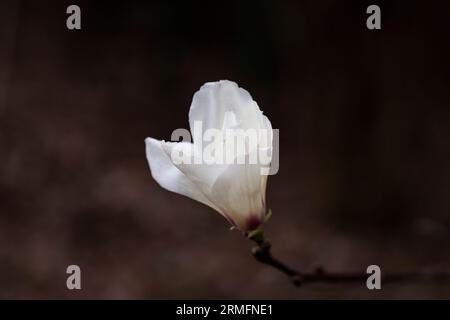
236 191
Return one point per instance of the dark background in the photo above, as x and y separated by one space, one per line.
364 153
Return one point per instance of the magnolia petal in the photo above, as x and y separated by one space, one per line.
168 175
266 136
223 104
238 191
204 176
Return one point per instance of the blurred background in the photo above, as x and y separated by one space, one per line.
364 145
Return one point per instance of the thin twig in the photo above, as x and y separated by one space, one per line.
262 253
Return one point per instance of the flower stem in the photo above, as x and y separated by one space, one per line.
262 253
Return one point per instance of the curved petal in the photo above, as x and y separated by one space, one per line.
266 133
222 105
240 192
168 175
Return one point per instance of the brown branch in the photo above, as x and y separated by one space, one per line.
262 253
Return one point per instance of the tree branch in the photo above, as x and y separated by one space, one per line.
262 253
